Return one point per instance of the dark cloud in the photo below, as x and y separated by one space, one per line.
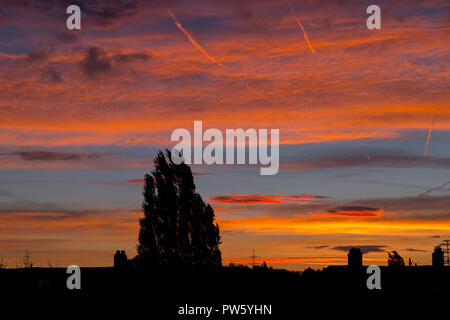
131 57
318 247
67 37
101 13
364 249
36 56
415 250
434 237
39 155
52 75
355 211
95 63
107 13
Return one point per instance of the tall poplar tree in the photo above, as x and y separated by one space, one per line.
178 226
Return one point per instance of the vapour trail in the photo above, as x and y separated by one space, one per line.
428 139
191 39
303 29
441 187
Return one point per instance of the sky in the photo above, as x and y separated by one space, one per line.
364 120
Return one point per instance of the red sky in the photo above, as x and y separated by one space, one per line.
82 114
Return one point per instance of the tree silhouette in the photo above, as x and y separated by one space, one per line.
395 260
178 226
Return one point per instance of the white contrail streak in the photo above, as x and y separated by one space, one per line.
191 39
303 29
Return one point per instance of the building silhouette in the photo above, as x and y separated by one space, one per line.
438 257
120 259
355 260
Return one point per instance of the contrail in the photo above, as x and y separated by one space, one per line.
428 139
441 187
303 29
191 39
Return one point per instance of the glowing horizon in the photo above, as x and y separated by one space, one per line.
363 115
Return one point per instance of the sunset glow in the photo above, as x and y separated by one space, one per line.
364 120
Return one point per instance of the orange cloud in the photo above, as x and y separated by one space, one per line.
258 199
379 96
135 181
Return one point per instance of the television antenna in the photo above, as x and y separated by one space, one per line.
253 256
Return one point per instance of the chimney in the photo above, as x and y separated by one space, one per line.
354 259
